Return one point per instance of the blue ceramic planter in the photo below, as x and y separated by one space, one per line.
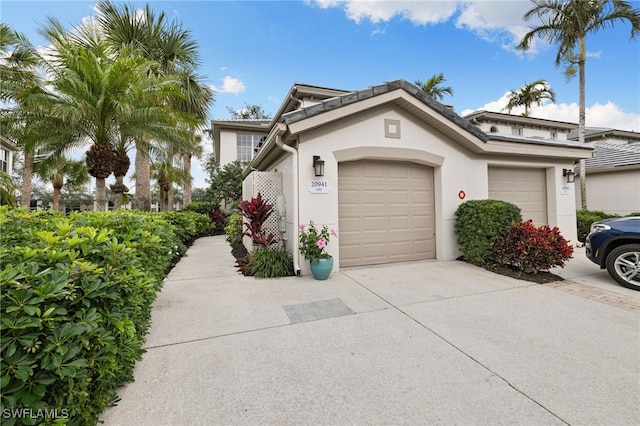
321 268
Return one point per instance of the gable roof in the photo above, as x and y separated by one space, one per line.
412 99
611 156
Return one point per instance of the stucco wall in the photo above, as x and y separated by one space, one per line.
228 147
615 192
455 169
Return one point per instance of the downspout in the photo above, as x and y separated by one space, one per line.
296 242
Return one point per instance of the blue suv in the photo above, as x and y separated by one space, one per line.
615 244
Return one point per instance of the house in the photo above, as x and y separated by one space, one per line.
396 164
7 150
612 174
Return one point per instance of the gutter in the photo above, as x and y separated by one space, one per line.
295 242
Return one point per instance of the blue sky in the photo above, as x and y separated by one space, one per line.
254 51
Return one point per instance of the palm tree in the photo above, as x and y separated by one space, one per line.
18 79
532 93
568 23
434 87
165 170
173 51
60 170
104 98
196 101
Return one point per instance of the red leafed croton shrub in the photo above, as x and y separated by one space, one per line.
531 249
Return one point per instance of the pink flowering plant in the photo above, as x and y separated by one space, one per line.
313 241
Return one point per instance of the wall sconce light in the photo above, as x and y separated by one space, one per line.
569 174
318 165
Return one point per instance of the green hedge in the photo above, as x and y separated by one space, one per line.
478 222
76 304
585 218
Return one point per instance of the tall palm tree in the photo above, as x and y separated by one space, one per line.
568 23
434 86
529 94
18 79
168 45
59 170
104 98
196 100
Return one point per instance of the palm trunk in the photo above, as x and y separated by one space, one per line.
118 190
27 176
582 122
169 187
142 199
101 194
186 191
56 197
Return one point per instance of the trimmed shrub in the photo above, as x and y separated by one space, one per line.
234 228
210 209
478 222
532 249
270 263
189 225
76 304
586 217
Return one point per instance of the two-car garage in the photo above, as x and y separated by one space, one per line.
387 208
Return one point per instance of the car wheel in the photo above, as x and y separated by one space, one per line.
623 264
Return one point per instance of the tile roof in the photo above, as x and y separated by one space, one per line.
615 155
415 91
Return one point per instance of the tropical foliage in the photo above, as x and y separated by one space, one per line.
434 87
313 242
567 24
533 93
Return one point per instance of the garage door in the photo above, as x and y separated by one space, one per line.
526 188
386 212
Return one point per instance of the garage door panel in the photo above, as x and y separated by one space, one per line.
525 188
386 211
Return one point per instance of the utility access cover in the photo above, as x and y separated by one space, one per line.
313 311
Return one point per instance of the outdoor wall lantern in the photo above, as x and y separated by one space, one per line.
569 174
318 165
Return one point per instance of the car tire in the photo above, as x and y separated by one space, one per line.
623 264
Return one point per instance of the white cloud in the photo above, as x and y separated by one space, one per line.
608 115
230 85
492 20
417 12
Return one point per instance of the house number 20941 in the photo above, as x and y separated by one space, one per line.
318 186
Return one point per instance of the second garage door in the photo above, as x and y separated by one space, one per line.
386 212
526 188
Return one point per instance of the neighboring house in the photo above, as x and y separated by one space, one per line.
242 139
7 150
613 178
517 125
613 174
397 164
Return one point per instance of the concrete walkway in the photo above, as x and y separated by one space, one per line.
413 343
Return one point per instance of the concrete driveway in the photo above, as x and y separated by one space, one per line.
412 343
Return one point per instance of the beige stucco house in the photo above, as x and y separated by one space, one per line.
397 164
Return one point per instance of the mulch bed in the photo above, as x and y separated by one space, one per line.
240 252
542 277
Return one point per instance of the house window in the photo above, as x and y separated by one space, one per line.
516 131
4 160
248 145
